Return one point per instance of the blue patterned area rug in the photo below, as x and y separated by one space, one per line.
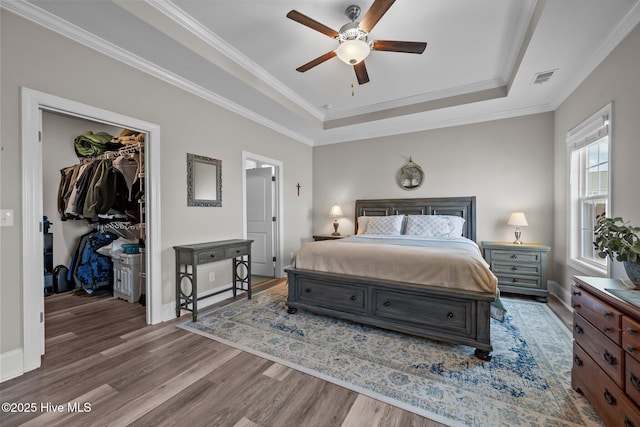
527 383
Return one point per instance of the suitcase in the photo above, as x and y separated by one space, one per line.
60 281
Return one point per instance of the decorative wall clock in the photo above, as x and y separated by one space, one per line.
410 176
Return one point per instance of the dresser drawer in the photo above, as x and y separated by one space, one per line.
519 281
604 317
515 257
632 378
237 251
351 298
615 408
210 256
604 352
631 337
433 313
511 268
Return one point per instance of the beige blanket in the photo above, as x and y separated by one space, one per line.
455 263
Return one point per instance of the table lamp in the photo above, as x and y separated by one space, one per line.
336 212
519 220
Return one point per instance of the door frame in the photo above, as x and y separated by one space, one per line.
33 103
278 233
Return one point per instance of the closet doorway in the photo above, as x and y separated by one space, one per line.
33 105
262 213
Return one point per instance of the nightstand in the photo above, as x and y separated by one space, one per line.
318 237
520 269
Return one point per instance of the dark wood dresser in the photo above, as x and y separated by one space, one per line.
606 350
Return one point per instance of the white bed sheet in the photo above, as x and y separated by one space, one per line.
455 263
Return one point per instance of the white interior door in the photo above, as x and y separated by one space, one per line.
260 220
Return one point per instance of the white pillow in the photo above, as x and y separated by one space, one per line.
428 226
390 225
362 224
457 225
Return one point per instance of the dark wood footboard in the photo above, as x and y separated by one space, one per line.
443 314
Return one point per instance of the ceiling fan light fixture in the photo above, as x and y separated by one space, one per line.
353 51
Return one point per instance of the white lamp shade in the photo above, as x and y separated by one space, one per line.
353 51
336 212
518 219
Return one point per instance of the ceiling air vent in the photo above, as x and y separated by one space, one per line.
542 77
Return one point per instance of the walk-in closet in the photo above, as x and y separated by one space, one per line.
94 208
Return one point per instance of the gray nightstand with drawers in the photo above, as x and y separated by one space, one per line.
520 269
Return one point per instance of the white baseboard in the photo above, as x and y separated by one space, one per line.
11 364
563 294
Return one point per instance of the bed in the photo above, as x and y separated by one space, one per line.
382 281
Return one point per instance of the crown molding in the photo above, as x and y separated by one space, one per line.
622 30
186 21
413 101
77 34
383 129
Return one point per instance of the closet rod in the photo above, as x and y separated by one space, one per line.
133 148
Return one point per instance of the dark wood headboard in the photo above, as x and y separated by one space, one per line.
455 206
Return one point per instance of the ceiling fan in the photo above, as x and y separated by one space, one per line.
353 46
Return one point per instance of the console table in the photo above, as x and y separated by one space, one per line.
188 257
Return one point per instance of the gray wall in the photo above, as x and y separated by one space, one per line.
36 58
506 164
616 80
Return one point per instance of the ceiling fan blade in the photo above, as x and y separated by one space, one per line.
319 60
397 46
375 12
312 23
361 72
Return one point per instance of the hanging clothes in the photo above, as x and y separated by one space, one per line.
129 166
103 188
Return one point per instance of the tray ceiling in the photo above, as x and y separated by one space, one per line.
480 62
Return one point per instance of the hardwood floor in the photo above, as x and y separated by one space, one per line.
101 358
100 352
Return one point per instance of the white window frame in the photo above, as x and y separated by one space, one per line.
592 130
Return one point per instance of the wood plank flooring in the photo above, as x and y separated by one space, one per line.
100 352
114 370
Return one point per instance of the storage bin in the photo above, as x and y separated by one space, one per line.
131 248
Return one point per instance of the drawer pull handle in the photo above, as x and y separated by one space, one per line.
514 256
577 293
578 329
607 314
611 400
630 348
514 268
515 280
386 304
450 315
577 360
353 298
611 360
237 251
308 290
631 331
628 422
605 329
212 255
635 381
576 306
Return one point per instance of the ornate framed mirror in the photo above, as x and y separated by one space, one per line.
204 181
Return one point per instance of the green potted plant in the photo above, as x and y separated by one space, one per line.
616 239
